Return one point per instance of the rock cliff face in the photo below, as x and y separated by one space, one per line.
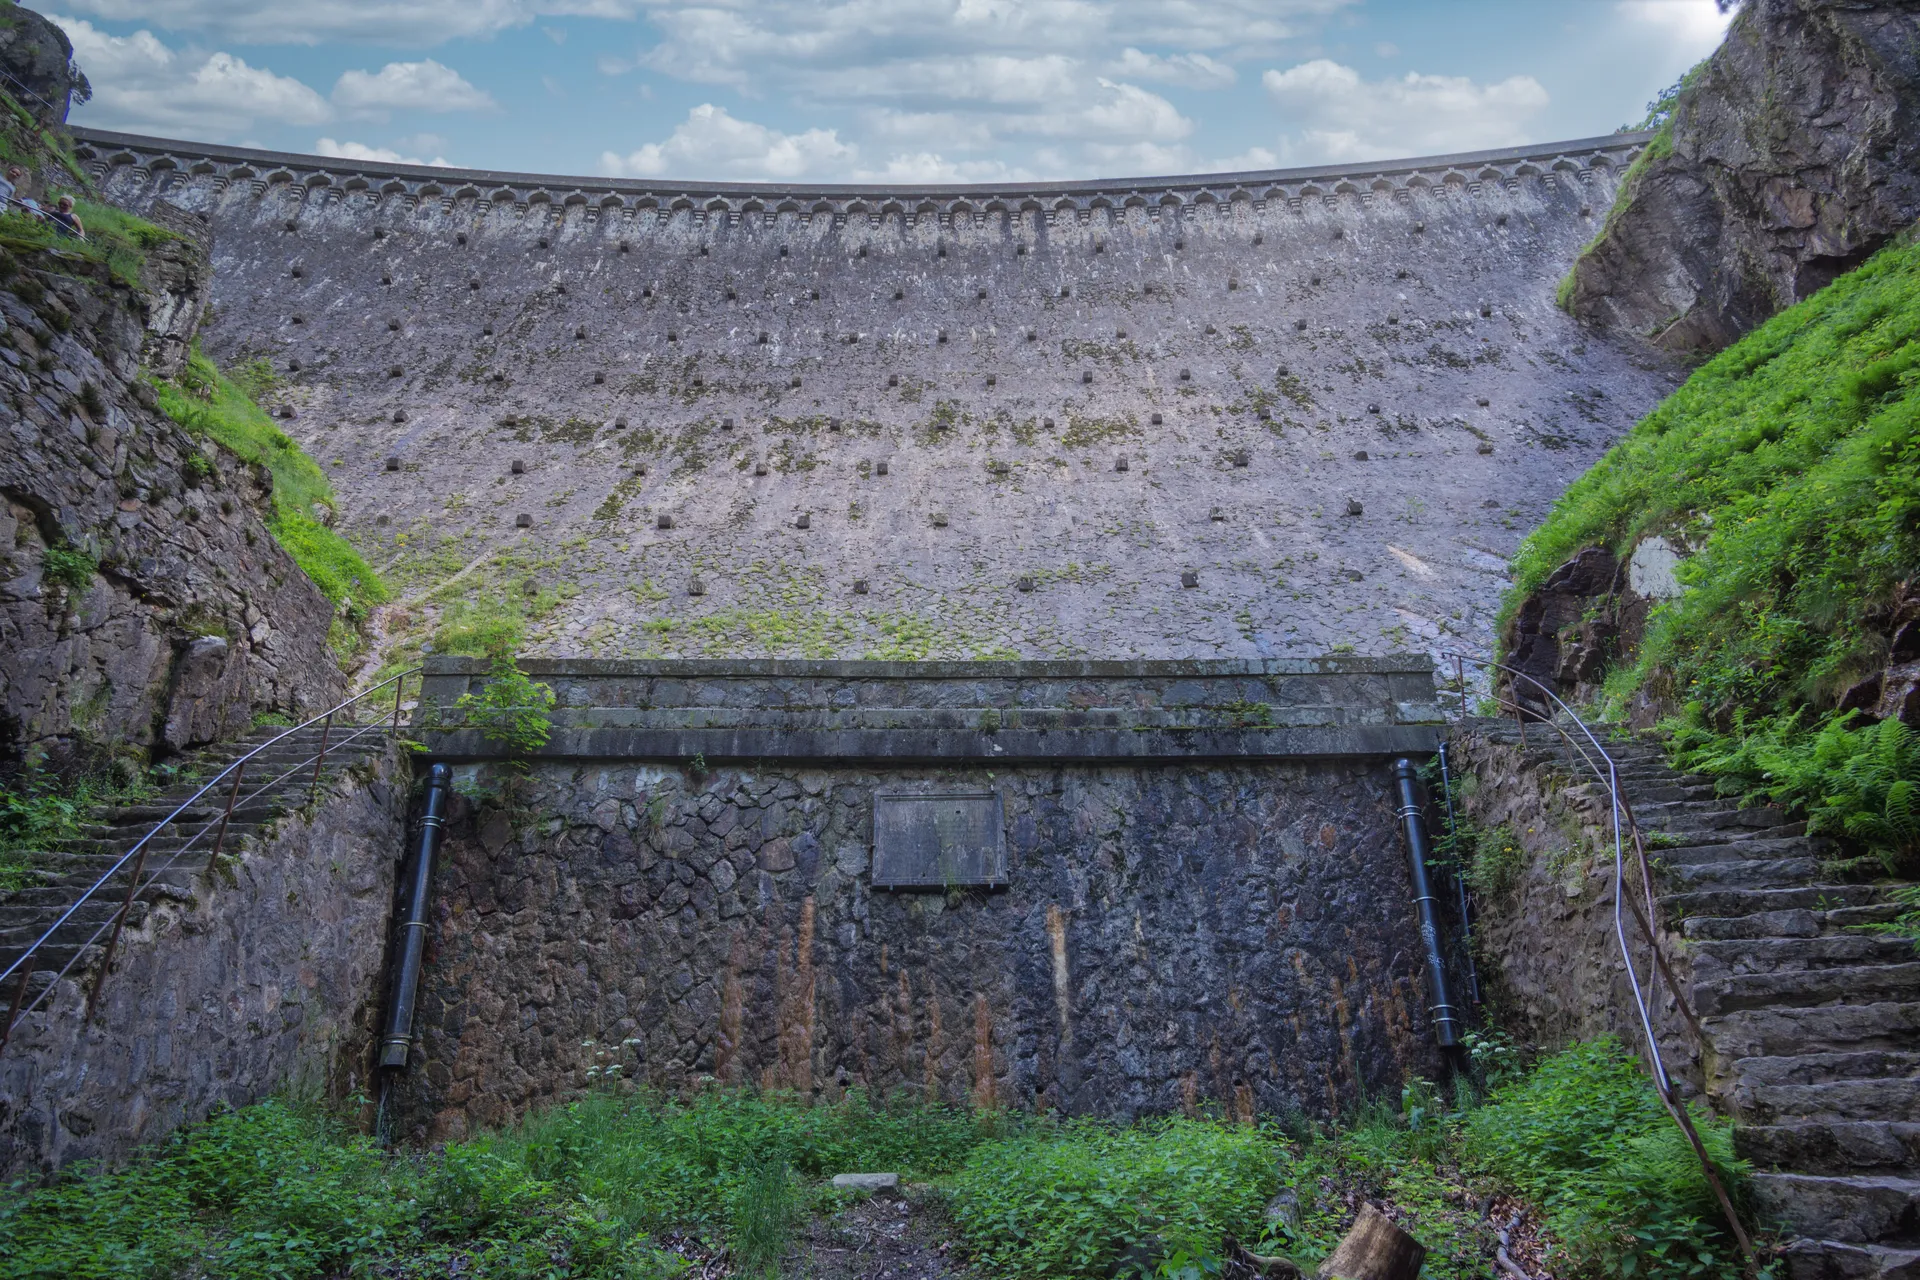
39 58
143 603
1795 154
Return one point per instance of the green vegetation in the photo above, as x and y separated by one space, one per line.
603 1185
1790 464
40 808
1077 1200
1584 1136
510 709
70 567
210 405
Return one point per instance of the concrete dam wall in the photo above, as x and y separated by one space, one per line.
1235 415
1191 890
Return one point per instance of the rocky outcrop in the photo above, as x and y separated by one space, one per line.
178 288
1795 154
38 58
125 543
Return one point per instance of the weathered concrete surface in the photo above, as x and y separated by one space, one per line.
938 712
999 351
1237 936
267 977
177 529
1795 154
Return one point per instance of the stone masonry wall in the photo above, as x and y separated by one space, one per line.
196 619
1228 935
268 977
1548 955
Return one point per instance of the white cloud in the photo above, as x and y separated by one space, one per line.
408 86
711 143
142 85
1695 25
1333 115
361 151
383 22
1189 70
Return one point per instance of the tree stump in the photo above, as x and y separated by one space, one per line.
1375 1249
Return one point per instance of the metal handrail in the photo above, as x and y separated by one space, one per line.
1624 835
234 774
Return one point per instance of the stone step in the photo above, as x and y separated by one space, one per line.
1793 923
1727 903
1842 984
1698 815
1894 1098
1738 850
1784 1032
1751 873
1831 1146
1805 1259
1853 1208
1715 959
78 929
42 898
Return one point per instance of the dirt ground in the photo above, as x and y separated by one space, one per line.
890 1236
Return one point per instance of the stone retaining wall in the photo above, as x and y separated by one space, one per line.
267 977
1231 930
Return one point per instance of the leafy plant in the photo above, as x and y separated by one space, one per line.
765 1210
1853 781
70 567
1095 1200
510 709
1585 1136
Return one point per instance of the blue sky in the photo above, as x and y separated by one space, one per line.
880 90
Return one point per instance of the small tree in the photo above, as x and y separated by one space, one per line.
511 709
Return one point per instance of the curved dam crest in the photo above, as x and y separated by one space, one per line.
1246 415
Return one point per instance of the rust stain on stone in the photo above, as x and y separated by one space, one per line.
797 1012
1329 835
1190 1095
1399 1026
1062 992
935 1047
732 1010
1243 1108
1343 1017
903 1029
983 1095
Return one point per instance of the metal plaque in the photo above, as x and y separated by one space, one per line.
938 840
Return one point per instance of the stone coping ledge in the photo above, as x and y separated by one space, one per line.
1036 669
450 177
913 746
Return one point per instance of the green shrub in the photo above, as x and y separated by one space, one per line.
70 567
1093 1198
1585 1136
510 709
1860 782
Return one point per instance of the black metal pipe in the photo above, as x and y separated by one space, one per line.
1446 1027
1462 902
398 1038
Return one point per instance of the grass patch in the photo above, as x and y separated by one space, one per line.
599 1186
211 406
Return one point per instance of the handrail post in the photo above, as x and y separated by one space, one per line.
326 732
19 995
220 836
119 922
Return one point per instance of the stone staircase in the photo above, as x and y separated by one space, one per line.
64 872
1812 1028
